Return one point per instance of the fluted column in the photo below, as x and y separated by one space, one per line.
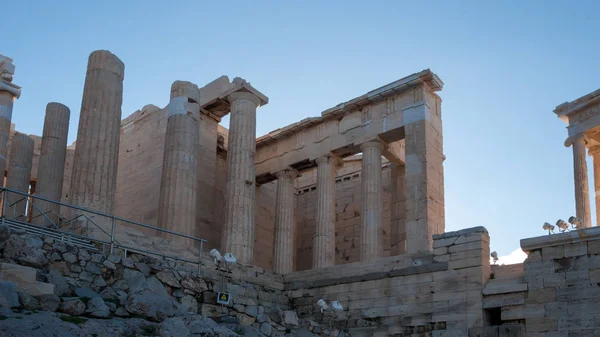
51 169
398 221
285 223
177 201
19 174
371 239
8 93
582 195
239 217
324 239
94 174
595 153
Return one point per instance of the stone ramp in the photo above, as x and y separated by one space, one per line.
25 279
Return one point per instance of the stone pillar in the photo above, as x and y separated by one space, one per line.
285 223
19 174
324 239
8 93
371 238
595 153
423 184
51 167
238 236
582 194
398 220
177 203
94 174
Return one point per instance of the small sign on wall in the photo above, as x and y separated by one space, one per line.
223 298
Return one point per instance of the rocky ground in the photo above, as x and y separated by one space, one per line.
96 295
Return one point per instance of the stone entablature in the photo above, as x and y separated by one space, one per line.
380 113
583 125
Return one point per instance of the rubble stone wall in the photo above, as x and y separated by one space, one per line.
437 294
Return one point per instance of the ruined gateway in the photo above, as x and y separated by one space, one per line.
347 206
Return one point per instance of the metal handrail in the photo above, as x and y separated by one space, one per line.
113 242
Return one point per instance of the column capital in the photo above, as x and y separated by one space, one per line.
288 173
575 138
245 96
187 89
11 88
181 105
330 158
373 143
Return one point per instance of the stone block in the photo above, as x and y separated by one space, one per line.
557 279
503 300
577 277
594 275
523 312
483 245
444 242
594 247
541 296
504 286
553 252
575 249
541 324
580 292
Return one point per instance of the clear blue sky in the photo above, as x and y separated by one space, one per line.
505 68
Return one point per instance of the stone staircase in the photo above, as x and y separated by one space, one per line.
25 279
52 233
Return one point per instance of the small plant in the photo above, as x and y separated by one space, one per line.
2 317
85 299
74 319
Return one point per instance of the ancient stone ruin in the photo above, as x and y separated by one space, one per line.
113 232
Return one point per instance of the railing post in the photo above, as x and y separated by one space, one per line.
3 204
112 235
200 255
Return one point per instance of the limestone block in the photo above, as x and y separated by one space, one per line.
523 311
575 249
577 293
553 252
555 280
503 300
594 275
541 324
504 286
541 296
594 247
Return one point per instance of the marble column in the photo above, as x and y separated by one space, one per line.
595 153
285 223
398 220
324 239
8 93
177 201
51 169
19 174
94 176
582 194
240 196
371 238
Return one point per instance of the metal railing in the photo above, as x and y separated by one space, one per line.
87 217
